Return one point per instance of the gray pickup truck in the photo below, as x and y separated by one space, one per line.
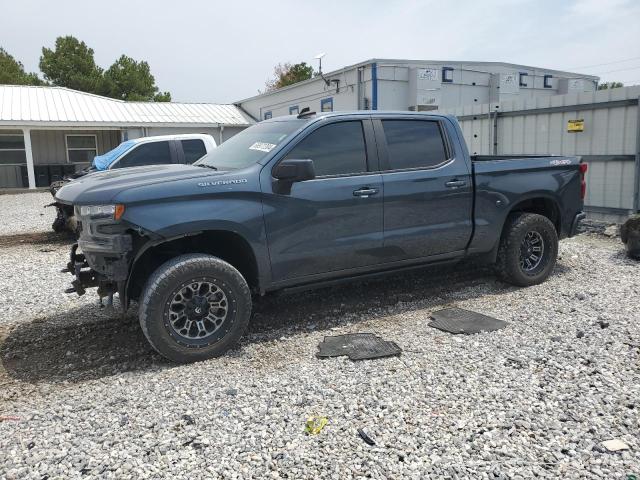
307 201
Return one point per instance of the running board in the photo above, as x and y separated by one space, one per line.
364 276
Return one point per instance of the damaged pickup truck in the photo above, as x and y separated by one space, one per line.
184 148
306 201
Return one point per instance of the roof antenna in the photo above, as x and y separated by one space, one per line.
319 58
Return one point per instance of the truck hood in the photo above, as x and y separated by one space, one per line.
102 187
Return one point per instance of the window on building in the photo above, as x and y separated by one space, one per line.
414 144
547 81
447 74
12 149
294 110
153 153
268 115
523 79
81 148
326 104
336 149
193 150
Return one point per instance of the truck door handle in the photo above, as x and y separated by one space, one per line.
365 192
455 184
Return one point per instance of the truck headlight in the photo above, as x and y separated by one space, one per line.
102 211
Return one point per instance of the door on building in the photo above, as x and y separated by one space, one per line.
428 194
333 222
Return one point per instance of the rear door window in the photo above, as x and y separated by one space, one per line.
193 149
155 153
414 144
336 149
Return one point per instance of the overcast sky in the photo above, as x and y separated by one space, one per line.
223 51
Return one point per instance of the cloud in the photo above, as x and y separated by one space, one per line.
224 51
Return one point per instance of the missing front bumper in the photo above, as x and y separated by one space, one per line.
85 277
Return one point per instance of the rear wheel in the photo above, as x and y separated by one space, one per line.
528 249
194 307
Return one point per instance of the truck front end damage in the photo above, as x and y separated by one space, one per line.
106 245
65 218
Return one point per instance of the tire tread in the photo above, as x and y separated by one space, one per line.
161 279
507 263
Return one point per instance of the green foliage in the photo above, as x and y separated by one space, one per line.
288 74
12 71
131 80
71 64
609 85
162 97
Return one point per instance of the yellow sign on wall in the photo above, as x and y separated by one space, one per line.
574 126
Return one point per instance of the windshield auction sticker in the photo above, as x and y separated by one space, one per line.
262 146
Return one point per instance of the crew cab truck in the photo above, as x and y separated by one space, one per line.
306 201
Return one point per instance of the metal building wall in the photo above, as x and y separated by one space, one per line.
49 146
610 142
220 135
308 94
416 85
13 176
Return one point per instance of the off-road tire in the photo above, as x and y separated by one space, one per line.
159 290
508 267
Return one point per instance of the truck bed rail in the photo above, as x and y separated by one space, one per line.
488 158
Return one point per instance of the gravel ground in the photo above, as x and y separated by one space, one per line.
25 212
83 395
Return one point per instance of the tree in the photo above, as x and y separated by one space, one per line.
131 80
71 64
162 97
12 71
609 85
287 74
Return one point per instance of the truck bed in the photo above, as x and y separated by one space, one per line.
488 158
499 181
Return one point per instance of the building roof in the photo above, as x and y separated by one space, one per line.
397 62
63 107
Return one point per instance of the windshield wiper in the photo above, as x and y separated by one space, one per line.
206 166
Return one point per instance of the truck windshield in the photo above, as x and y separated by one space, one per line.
250 146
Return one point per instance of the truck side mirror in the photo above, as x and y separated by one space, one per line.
295 170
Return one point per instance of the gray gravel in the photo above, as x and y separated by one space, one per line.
92 400
25 212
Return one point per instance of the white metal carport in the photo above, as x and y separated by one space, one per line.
28 109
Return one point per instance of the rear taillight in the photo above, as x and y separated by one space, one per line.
583 183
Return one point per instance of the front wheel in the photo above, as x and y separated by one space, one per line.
528 249
194 307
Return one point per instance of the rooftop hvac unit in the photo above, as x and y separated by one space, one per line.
424 88
573 85
502 86
509 82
